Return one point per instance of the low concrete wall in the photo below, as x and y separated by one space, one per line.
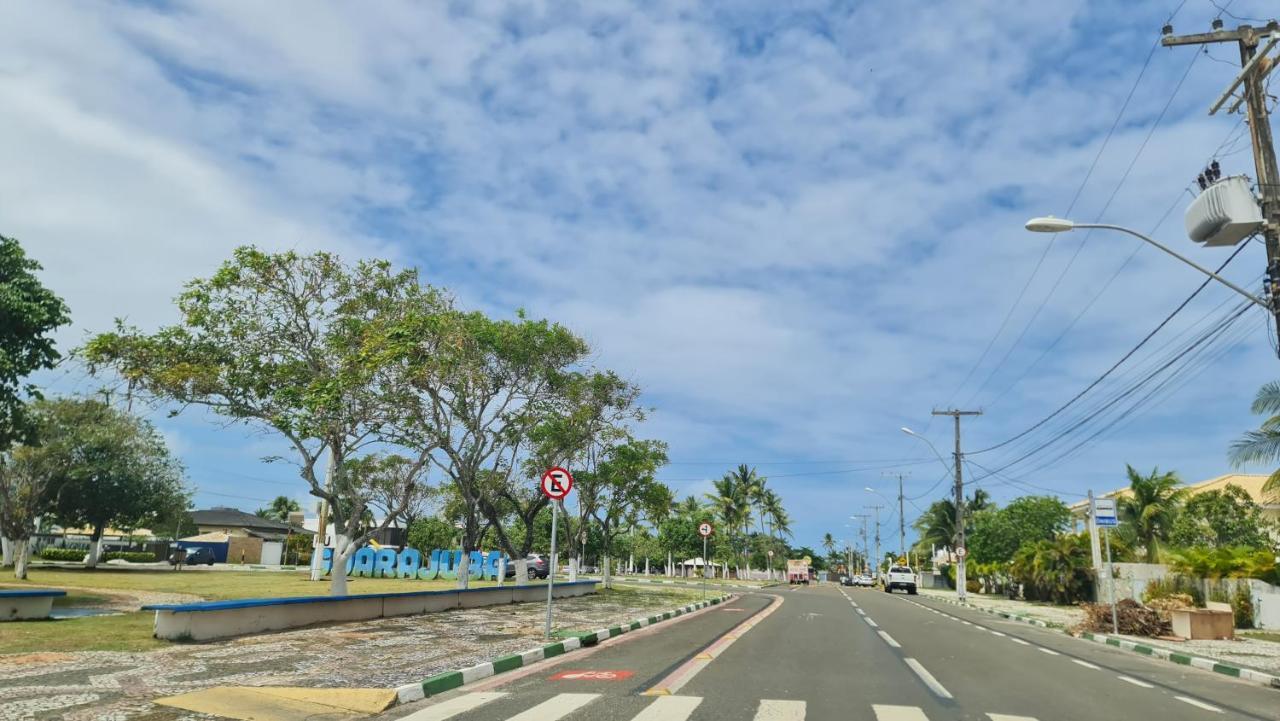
27 605
222 619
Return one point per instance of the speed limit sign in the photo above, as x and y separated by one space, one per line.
704 529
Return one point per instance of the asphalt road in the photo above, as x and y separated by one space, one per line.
841 653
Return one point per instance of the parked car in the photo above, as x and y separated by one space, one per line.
538 566
192 557
864 580
900 577
846 580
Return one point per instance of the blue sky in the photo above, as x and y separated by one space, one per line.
797 227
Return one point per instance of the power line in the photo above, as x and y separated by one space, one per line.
1089 232
1118 363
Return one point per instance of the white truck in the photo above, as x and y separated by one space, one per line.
900 577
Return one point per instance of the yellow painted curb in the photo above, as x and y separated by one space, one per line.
272 703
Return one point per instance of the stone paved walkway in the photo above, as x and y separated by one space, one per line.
112 686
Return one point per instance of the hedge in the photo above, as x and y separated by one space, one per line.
62 554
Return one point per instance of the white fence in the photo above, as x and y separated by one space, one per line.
1132 579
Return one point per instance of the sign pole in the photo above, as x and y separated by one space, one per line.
1111 582
704 568
551 566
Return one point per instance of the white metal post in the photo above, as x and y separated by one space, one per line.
1111 583
704 568
551 567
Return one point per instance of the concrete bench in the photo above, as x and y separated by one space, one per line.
24 605
222 619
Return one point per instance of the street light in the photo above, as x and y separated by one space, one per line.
913 434
1050 224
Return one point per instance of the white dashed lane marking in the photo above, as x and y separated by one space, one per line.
1135 681
1199 704
889 640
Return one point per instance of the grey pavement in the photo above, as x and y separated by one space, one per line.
841 653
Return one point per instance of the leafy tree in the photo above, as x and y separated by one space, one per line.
1058 570
1262 445
428 534
997 534
731 504
937 525
109 469
279 510
291 343
1219 518
1147 514
622 486
26 475
30 313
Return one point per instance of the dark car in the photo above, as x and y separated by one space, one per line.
846 580
192 557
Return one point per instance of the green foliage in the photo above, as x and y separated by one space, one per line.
1262 445
298 549
279 510
1147 514
937 525
130 556
30 314
49 553
1058 570
428 534
1242 606
113 469
997 534
1228 562
1218 518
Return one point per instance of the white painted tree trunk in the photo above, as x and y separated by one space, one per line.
21 549
670 566
631 563
464 571
607 569
338 575
6 552
95 552
522 572
573 570
646 567
502 571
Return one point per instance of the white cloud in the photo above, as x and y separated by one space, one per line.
796 229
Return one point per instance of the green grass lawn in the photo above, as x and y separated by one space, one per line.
120 632
217 585
1262 635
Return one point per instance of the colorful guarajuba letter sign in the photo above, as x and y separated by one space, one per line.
372 562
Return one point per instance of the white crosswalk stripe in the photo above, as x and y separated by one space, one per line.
453 707
669 708
771 710
676 708
898 713
556 707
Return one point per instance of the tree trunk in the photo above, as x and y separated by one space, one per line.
95 547
464 571
573 570
522 572
670 567
338 575
6 551
646 567
21 549
607 570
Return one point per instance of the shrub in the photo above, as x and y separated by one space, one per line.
130 556
1242 606
50 553
1173 587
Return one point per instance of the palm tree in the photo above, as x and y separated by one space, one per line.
732 505
1263 445
279 509
979 501
1147 514
938 524
829 543
690 508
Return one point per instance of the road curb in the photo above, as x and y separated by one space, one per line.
693 582
1201 662
1208 664
450 680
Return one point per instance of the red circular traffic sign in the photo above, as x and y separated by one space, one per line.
556 483
704 529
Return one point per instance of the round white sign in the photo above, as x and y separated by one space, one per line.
704 529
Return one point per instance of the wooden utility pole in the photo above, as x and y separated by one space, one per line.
902 526
961 551
1249 81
